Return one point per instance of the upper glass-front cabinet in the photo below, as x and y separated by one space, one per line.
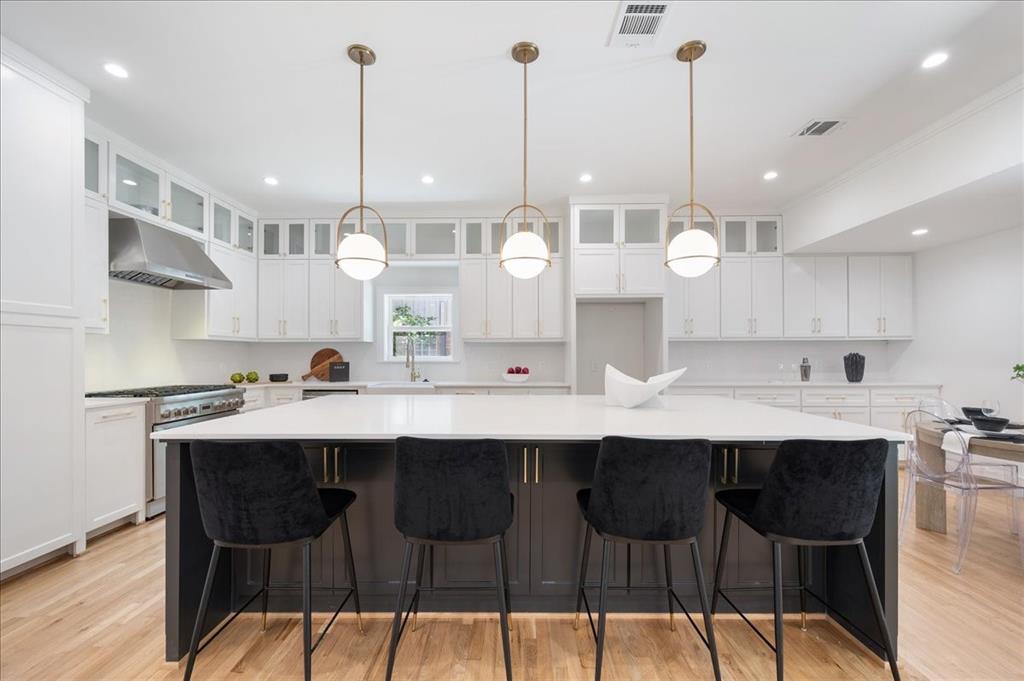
137 186
223 227
96 167
186 205
627 226
322 237
231 228
596 226
760 235
642 226
246 231
677 224
473 238
283 238
436 238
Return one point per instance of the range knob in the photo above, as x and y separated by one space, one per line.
165 413
177 412
193 410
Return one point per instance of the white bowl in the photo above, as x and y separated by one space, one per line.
516 378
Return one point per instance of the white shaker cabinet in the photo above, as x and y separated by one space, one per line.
815 296
473 298
336 303
283 299
526 307
751 297
881 296
116 446
596 271
538 308
499 301
618 250
226 314
692 306
95 283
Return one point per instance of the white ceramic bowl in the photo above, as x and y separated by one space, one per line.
516 378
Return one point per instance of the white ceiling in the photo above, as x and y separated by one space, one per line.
987 205
234 91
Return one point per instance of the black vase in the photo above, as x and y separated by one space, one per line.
854 364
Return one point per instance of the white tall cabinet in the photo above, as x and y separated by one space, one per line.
815 297
692 306
881 296
751 297
42 461
283 299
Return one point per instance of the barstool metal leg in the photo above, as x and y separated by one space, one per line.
876 602
266 587
801 566
583 573
720 565
777 599
307 608
499 581
606 564
347 539
193 650
396 624
420 553
504 571
668 592
709 626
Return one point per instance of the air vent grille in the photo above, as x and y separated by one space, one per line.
637 24
819 128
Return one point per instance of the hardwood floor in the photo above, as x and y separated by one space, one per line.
99 617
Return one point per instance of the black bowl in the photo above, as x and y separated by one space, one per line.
278 378
971 412
992 424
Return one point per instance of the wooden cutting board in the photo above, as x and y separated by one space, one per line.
320 364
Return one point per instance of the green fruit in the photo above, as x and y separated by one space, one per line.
252 377
237 377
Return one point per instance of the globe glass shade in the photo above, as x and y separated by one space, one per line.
361 256
524 255
692 253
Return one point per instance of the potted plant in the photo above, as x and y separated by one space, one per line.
1018 373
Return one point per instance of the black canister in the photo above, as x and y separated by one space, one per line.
854 365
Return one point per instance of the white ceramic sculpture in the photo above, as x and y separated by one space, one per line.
621 390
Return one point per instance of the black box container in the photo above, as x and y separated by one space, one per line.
338 372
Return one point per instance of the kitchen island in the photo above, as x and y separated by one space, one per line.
552 443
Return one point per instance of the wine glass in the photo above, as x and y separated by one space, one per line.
990 407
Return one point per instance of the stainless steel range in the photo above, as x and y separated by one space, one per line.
171 406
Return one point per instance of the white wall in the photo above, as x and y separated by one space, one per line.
777 360
969 320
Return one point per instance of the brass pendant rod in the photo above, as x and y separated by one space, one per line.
524 227
361 68
691 144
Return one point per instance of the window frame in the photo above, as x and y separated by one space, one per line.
387 335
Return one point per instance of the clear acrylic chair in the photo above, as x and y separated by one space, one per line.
959 474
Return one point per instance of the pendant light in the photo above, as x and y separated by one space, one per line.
360 255
693 251
525 254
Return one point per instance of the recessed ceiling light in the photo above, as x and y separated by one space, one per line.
130 183
586 177
933 60
920 232
116 70
272 181
427 179
770 175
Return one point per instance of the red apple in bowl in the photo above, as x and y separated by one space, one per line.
526 370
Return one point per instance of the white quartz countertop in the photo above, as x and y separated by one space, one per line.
521 417
837 383
101 402
342 385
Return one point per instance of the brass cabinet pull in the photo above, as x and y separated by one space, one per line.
337 469
526 468
735 465
725 465
536 465
325 464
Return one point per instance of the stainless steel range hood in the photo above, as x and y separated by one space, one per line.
143 253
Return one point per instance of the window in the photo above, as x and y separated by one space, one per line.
425 320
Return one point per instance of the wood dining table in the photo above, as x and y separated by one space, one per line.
930 506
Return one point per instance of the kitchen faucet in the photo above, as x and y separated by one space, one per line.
410 359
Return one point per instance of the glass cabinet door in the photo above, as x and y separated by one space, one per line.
322 232
472 238
766 236
735 239
246 234
222 223
436 238
96 167
641 226
398 236
136 186
596 226
296 239
187 206
677 224
498 231
552 232
270 239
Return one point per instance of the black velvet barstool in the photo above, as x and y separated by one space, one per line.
258 495
816 493
451 492
647 492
